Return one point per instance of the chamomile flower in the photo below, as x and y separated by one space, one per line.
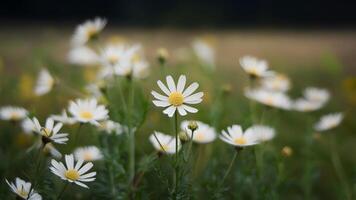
255 67
13 113
263 133
205 52
164 143
50 132
88 111
269 98
63 118
27 126
45 83
235 136
277 82
83 56
73 173
317 95
304 105
88 31
23 190
203 134
177 97
89 153
110 126
329 121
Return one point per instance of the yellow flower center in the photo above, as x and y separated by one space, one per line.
87 156
269 101
22 193
86 115
15 116
46 132
72 174
253 71
91 32
240 140
176 98
113 59
165 147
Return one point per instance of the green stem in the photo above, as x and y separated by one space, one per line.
131 132
229 168
176 174
62 191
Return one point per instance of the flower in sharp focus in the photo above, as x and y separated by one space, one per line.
88 111
177 97
276 82
110 126
83 56
23 190
45 83
235 136
205 52
329 121
255 67
203 134
88 31
263 133
50 132
12 113
63 118
89 153
164 143
269 98
73 173
316 95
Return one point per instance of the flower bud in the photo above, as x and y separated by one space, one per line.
287 151
183 136
193 126
162 55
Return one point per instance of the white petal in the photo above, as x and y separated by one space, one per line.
85 168
159 96
170 111
190 89
161 103
181 83
181 111
69 161
171 84
163 87
190 109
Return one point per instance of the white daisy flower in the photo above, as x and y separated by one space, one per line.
52 151
255 67
23 190
45 83
87 31
236 137
269 98
110 126
27 126
205 52
304 105
177 97
164 143
329 121
50 132
263 133
89 153
63 118
12 113
73 173
88 111
203 134
277 82
83 56
317 94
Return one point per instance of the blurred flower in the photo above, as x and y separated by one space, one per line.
164 143
236 137
63 118
89 153
262 133
269 98
50 132
304 105
162 55
88 111
317 95
287 151
12 113
329 121
52 151
255 67
87 31
23 190
27 126
73 173
83 56
110 127
45 83
177 97
205 52
203 134
276 82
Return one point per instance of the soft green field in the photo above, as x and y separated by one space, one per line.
310 58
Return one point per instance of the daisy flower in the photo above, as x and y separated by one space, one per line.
317 94
88 111
45 83
73 173
83 55
177 97
63 118
205 52
236 137
263 133
255 67
269 98
329 121
13 113
203 134
23 190
50 132
89 153
110 126
88 31
27 126
164 143
277 82
305 105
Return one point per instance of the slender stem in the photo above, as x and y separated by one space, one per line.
229 168
131 132
77 134
176 176
62 191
